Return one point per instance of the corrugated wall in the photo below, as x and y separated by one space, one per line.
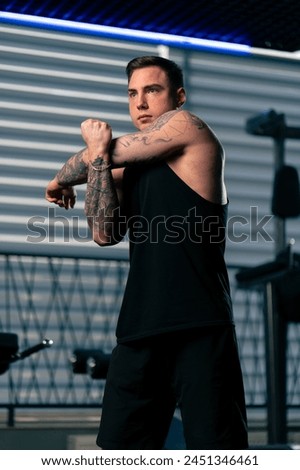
51 81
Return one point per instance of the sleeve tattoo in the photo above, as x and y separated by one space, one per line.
74 171
101 203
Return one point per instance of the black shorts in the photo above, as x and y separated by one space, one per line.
197 371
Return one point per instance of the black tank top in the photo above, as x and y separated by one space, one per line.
177 277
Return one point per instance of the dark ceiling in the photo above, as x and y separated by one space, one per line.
271 24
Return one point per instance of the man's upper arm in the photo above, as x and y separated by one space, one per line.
164 138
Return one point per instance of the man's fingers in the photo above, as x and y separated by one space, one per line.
54 200
69 200
66 198
51 199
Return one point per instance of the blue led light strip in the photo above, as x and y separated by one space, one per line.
124 33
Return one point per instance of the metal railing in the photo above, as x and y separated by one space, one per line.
75 302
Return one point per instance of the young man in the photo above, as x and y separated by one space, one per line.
176 343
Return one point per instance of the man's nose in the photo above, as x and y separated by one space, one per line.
142 102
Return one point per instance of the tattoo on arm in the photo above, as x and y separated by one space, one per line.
197 122
101 203
181 122
74 171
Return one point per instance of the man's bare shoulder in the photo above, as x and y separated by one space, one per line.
181 116
192 119
195 131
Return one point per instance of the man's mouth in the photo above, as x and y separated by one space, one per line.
144 116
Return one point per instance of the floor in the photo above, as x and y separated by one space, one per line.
77 429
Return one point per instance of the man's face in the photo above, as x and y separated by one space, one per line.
149 96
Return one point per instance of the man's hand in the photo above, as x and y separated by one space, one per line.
63 197
97 135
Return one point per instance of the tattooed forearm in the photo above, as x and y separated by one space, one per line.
101 204
74 171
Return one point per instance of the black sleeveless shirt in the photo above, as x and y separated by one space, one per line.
177 277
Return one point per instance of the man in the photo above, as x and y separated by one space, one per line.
176 343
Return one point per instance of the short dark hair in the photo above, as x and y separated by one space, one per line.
173 71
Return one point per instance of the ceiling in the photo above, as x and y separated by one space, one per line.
269 24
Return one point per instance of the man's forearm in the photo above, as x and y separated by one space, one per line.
102 206
74 171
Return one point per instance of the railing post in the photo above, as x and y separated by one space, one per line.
276 338
11 416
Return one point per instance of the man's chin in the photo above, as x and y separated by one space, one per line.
143 125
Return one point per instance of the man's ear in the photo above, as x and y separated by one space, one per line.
181 97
